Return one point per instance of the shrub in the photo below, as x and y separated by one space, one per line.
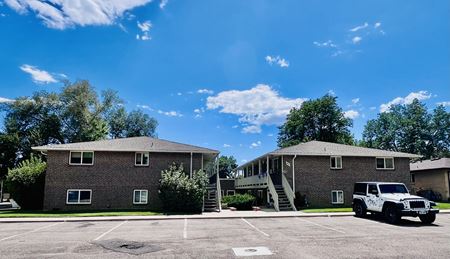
179 193
239 201
26 183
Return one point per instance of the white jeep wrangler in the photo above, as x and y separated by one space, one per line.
393 200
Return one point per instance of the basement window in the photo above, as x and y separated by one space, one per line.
141 159
385 163
81 158
336 162
337 197
140 197
79 196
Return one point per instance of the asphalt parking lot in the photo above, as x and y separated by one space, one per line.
318 237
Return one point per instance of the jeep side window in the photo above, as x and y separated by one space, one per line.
372 189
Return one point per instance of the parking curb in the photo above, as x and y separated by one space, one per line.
142 218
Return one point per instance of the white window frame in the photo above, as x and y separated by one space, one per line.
140 192
79 194
335 157
81 162
384 162
142 158
231 191
337 196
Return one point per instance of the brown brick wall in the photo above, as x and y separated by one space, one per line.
315 179
112 178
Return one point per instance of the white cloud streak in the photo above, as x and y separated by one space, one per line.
421 95
356 40
170 113
145 29
260 105
255 144
5 100
355 101
205 91
278 61
360 27
38 76
163 3
62 14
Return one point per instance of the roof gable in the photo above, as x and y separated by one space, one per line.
430 164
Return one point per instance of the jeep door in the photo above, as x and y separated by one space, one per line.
372 198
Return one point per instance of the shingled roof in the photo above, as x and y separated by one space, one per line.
320 148
430 164
129 145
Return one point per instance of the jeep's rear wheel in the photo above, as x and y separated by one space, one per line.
359 210
392 215
428 218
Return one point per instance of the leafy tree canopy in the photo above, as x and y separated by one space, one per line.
226 165
410 128
27 172
320 119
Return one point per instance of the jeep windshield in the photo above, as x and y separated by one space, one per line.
393 188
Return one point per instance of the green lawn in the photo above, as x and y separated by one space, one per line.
318 210
34 214
440 205
443 205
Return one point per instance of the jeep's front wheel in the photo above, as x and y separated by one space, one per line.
392 215
359 210
428 218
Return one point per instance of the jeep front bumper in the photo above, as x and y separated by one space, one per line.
415 213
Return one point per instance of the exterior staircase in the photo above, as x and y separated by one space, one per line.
283 201
210 198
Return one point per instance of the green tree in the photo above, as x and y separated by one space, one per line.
140 124
320 119
226 165
410 128
117 121
27 172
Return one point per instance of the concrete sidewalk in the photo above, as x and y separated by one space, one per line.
224 214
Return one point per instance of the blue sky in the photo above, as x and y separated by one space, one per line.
223 74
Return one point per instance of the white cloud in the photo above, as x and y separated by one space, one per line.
326 44
446 104
260 105
163 3
145 29
356 39
170 113
205 91
146 107
226 145
377 25
351 114
355 101
270 135
61 14
244 161
373 108
235 126
421 95
331 92
252 129
39 76
360 27
255 144
5 100
277 60
197 111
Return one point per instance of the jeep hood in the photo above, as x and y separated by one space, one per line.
400 196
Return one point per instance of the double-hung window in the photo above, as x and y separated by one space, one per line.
81 158
385 163
140 197
141 159
336 162
79 196
337 197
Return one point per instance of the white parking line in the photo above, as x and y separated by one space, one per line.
109 231
31 231
322 226
257 229
185 229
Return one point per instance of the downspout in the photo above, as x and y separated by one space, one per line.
191 166
293 174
